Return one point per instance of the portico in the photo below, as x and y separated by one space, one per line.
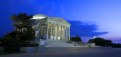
51 28
57 32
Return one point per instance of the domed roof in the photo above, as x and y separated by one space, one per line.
39 16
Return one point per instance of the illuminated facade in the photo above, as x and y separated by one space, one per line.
51 28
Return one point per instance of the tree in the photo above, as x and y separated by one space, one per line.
23 26
76 39
22 35
100 41
0 41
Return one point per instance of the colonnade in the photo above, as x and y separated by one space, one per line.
57 32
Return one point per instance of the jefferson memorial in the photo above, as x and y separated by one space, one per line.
50 28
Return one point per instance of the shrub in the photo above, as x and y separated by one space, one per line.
114 45
28 44
11 49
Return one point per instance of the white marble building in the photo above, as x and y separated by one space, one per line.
51 28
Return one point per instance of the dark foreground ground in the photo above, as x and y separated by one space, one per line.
72 52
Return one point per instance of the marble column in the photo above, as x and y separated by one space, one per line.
69 33
55 34
50 32
36 34
66 34
47 32
61 33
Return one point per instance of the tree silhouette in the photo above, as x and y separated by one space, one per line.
100 42
76 39
23 26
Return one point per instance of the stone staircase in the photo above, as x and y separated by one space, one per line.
58 43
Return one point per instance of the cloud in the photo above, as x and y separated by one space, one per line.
84 29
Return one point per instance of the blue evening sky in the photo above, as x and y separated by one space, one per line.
88 17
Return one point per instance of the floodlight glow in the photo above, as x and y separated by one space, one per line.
38 16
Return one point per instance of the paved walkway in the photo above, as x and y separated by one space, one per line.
72 52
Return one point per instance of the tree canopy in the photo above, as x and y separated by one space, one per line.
100 41
76 39
23 26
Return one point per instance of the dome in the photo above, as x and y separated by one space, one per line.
38 16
